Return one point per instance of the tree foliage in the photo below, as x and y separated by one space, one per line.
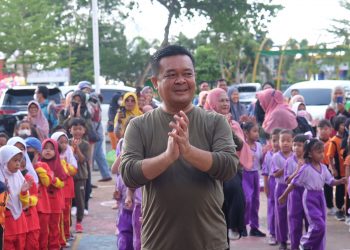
28 32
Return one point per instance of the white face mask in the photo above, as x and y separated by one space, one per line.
35 97
120 102
24 132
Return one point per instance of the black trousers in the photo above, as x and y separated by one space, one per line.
234 203
328 194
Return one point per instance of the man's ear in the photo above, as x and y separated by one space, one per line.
154 80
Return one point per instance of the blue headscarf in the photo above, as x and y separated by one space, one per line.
236 109
33 142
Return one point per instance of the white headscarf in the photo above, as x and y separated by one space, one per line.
68 154
14 180
29 165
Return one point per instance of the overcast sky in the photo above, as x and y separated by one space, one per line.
299 19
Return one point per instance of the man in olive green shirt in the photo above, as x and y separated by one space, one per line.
181 154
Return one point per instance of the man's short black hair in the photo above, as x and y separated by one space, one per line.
170 50
4 135
220 80
43 90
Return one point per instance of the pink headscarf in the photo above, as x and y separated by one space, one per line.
40 121
277 114
211 105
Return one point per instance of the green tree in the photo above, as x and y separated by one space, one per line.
207 65
226 18
28 33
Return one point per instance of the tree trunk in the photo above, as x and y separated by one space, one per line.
142 78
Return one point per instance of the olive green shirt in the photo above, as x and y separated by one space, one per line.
182 208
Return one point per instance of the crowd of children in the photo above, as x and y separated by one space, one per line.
38 181
299 173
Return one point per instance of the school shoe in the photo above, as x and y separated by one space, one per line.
301 247
244 233
256 233
232 235
283 246
339 215
78 228
67 245
332 211
272 241
73 211
347 221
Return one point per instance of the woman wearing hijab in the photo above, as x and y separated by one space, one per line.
112 111
20 143
234 201
272 112
18 197
38 120
129 107
237 109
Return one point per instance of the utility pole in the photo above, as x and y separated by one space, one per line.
96 46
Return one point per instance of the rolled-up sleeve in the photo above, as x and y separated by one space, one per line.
225 160
133 154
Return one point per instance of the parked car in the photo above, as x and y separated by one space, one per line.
14 101
317 94
247 92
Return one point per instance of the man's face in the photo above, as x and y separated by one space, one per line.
176 81
204 86
222 85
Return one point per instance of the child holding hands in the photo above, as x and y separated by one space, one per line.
312 176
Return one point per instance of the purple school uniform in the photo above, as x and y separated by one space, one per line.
251 188
267 171
296 214
136 224
124 221
314 204
281 221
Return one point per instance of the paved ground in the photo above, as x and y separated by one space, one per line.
99 225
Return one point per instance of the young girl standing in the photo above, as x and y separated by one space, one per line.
70 165
296 214
45 174
251 184
50 155
270 184
18 197
279 160
312 176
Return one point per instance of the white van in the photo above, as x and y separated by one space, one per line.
317 94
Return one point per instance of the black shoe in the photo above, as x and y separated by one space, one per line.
301 247
256 232
339 215
244 233
283 246
105 179
93 186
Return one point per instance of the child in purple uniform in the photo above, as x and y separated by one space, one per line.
270 183
312 176
135 196
296 214
250 183
279 160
